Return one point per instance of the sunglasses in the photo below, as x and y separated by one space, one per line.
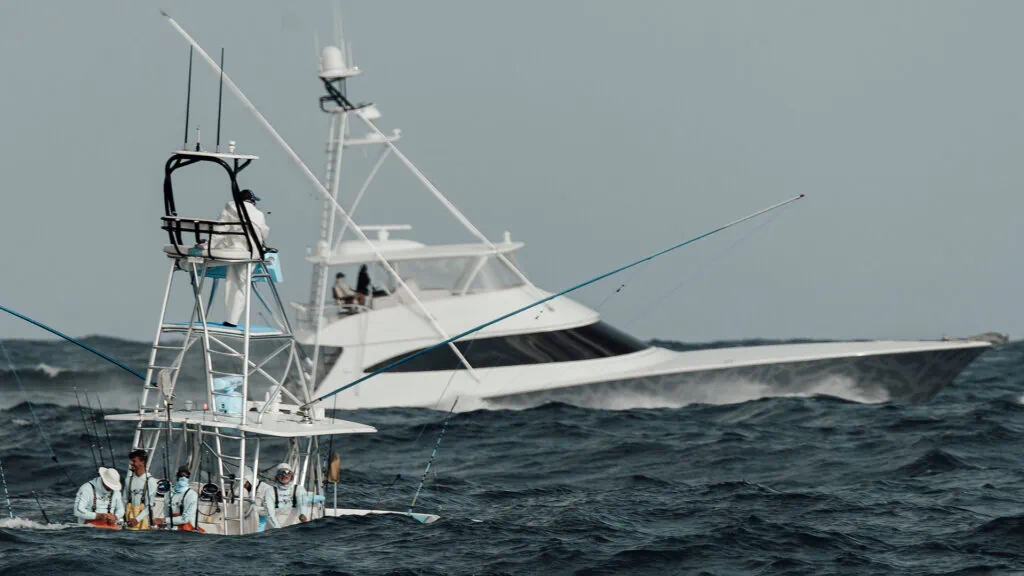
284 472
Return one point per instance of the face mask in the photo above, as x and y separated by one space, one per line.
181 485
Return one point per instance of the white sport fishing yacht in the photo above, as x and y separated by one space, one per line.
559 351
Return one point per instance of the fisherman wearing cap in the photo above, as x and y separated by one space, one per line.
139 493
182 503
98 502
234 280
284 494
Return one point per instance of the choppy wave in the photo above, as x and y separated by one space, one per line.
811 484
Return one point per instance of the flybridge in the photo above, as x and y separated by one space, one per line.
403 250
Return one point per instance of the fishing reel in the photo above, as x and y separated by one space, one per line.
163 486
210 492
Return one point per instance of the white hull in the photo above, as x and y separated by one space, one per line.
878 371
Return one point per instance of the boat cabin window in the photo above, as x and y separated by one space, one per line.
460 275
598 340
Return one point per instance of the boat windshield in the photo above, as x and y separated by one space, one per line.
461 275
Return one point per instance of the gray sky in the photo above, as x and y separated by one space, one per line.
595 132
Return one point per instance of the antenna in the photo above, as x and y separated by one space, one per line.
338 33
316 50
188 96
220 97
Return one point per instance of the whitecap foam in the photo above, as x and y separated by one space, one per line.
51 371
26 524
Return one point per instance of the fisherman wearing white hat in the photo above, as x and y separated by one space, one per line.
98 502
284 494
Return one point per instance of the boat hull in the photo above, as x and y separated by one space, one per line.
878 371
905 377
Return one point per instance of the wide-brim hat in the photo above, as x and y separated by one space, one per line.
111 479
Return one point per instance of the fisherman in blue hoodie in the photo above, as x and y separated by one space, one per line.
182 503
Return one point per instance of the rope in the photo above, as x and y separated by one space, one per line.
53 455
73 341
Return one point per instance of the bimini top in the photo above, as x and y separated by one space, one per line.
283 425
357 252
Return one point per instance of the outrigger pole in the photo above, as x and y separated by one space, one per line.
324 192
556 295
318 185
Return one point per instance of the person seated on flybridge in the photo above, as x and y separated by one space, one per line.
344 296
98 502
234 277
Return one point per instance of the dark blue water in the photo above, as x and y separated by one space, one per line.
772 486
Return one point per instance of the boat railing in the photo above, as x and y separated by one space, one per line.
307 315
203 233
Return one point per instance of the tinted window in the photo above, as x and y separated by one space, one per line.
585 343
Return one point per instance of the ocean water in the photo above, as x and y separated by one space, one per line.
786 485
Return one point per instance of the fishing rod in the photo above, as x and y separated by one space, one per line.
7 495
106 429
73 341
432 455
92 416
92 447
40 504
35 417
556 295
